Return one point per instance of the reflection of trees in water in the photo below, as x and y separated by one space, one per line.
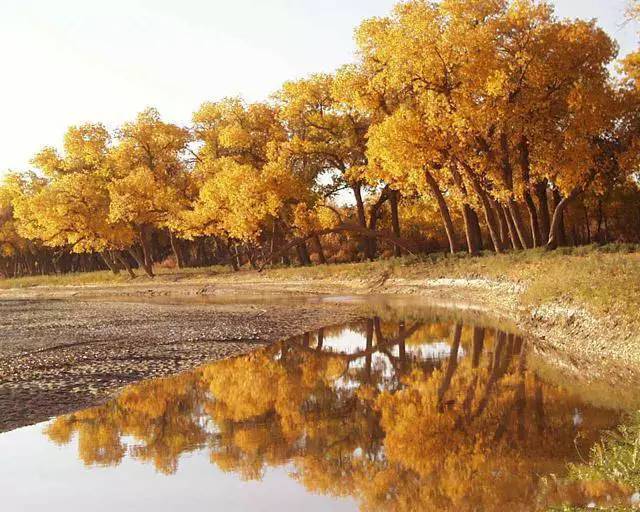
397 425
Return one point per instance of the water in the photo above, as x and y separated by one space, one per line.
388 413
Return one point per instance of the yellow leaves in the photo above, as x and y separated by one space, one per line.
497 83
235 200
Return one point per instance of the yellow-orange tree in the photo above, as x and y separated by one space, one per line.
150 182
69 208
498 97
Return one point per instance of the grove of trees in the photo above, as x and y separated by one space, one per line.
463 125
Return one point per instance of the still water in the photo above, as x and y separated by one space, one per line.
388 413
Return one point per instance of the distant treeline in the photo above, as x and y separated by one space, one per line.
465 125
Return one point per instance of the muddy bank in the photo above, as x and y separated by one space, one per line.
571 337
70 347
58 356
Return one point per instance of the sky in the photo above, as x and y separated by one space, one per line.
66 62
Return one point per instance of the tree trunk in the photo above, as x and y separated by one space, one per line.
107 259
469 229
557 234
513 235
541 189
475 229
175 247
125 264
557 237
145 243
303 254
518 224
444 211
362 217
321 256
491 220
395 221
141 261
533 219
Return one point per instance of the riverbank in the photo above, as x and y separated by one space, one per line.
581 310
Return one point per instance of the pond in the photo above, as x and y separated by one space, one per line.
396 411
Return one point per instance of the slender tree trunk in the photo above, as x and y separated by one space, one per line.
451 366
303 254
541 189
175 247
478 345
476 231
320 340
321 256
557 237
533 219
145 243
125 264
444 211
362 218
469 229
395 221
518 224
492 221
141 261
513 235
107 259
557 234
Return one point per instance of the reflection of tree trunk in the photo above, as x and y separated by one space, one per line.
444 211
451 366
320 340
402 348
494 375
369 356
478 345
539 405
395 220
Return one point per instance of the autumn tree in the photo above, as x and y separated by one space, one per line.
150 184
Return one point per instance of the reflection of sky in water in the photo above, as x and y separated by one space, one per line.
44 476
347 342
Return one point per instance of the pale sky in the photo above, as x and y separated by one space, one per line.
65 62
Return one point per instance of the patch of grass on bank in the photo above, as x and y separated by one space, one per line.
606 279
109 278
